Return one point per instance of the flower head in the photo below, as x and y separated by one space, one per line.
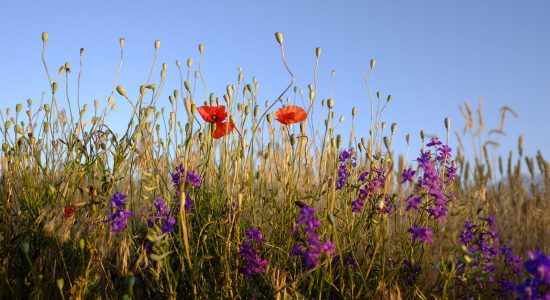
223 129
213 114
424 234
120 215
290 114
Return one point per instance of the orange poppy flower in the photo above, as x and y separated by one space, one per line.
290 114
223 129
213 114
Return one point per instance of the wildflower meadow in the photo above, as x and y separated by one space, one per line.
205 196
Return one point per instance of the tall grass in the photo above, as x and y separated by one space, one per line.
61 166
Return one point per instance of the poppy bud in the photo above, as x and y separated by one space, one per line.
408 138
60 282
330 103
121 91
447 124
189 62
422 135
372 64
292 139
44 36
201 48
318 52
176 93
151 86
338 141
121 42
18 107
157 44
113 107
269 118
54 87
5 147
256 110
311 95
279 37
187 86
341 119
393 127
240 77
389 98
229 91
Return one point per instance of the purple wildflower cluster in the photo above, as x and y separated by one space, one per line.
537 285
371 184
249 252
423 234
347 160
485 252
190 177
436 172
309 245
119 214
160 217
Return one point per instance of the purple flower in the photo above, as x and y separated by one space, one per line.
249 252
255 235
190 177
538 265
434 141
118 200
444 152
408 175
357 205
424 234
346 158
160 216
120 214
412 202
309 245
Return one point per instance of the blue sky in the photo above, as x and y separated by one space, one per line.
431 55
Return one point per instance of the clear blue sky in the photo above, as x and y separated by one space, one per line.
431 55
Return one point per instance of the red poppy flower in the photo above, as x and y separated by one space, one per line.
69 211
213 114
223 129
290 114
